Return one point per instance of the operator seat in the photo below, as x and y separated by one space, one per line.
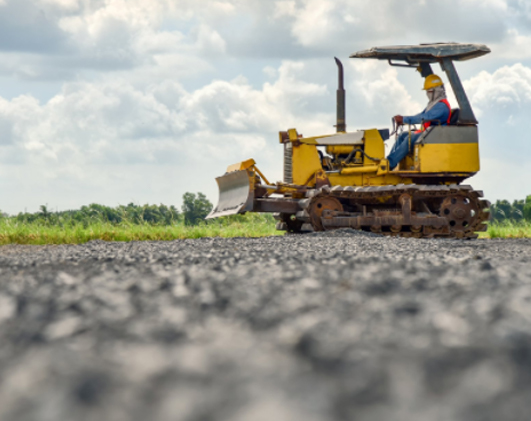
408 159
454 117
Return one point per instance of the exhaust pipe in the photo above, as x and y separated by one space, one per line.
340 125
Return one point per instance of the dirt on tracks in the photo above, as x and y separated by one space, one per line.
331 326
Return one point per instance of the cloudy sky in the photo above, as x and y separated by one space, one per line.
118 101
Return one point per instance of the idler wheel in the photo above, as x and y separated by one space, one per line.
318 206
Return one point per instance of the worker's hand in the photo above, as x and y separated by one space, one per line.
399 120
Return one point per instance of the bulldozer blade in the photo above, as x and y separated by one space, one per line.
235 194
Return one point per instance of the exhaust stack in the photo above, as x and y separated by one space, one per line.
340 125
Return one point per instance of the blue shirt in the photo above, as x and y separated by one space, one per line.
439 112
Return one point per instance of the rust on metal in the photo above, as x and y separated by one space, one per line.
321 179
405 201
403 210
318 205
283 137
276 205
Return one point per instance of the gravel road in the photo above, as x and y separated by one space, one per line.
329 326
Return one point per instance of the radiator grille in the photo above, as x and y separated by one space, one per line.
288 162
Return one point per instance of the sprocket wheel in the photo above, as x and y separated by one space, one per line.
320 204
460 211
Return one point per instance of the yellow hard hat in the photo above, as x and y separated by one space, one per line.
432 81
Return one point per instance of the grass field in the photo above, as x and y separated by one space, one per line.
508 229
250 225
40 232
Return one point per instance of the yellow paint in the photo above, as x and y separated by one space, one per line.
383 167
340 149
264 179
337 179
374 146
387 179
241 165
306 163
428 158
408 164
360 169
449 157
293 135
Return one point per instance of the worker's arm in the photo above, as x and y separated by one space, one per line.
438 112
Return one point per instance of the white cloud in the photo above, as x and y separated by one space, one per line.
502 101
514 46
25 27
507 90
209 41
175 90
502 179
103 36
322 23
380 89
68 5
521 8
90 125
285 8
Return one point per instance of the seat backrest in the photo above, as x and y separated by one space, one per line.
454 118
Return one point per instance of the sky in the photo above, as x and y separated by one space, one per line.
119 101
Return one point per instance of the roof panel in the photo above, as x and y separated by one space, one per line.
425 52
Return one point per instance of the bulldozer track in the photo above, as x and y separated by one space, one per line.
404 210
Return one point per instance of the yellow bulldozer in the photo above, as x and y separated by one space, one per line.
343 179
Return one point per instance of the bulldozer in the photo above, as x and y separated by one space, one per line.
343 179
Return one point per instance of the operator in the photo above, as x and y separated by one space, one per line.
438 108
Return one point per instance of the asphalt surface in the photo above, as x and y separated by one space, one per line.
333 326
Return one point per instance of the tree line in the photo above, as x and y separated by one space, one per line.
195 208
519 210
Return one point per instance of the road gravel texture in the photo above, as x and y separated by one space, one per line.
325 326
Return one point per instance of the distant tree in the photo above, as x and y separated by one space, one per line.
195 208
501 210
151 214
527 208
517 210
43 211
505 207
169 215
97 212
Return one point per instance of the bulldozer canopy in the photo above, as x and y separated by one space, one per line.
427 53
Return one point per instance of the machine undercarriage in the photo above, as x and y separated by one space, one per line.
403 210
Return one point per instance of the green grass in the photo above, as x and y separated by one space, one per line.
40 232
249 225
508 229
